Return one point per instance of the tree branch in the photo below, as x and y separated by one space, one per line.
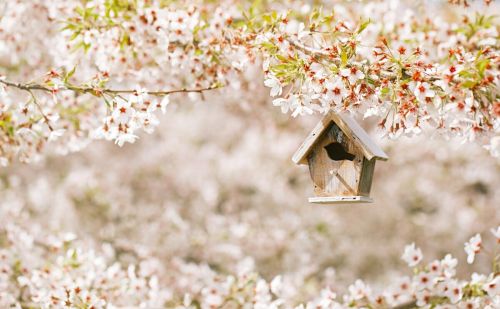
96 91
309 50
47 121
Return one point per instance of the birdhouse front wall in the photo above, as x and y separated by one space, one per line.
335 178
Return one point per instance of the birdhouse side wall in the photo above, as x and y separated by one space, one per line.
366 178
335 178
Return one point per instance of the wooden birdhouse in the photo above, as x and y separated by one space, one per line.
341 158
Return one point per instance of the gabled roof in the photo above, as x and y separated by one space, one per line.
350 128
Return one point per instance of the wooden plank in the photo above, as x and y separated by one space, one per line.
339 199
345 183
300 156
365 182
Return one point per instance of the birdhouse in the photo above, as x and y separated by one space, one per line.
341 158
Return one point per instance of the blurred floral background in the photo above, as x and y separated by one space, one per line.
214 190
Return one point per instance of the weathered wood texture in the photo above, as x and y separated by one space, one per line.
335 178
340 199
300 156
365 183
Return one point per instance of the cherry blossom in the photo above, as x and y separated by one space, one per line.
448 265
336 91
275 85
412 255
359 290
422 91
492 287
473 247
353 74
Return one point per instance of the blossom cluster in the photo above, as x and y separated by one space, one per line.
72 277
69 276
413 71
102 61
128 115
389 59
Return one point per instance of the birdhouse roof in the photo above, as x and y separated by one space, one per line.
350 128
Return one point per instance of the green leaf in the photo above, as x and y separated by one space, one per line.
74 35
363 26
69 74
469 84
465 73
80 11
315 14
282 58
482 65
343 57
108 104
271 48
267 18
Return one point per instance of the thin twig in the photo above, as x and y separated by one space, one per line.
309 50
96 90
47 121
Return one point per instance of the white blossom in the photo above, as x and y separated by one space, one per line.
422 91
412 255
275 85
473 247
353 74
